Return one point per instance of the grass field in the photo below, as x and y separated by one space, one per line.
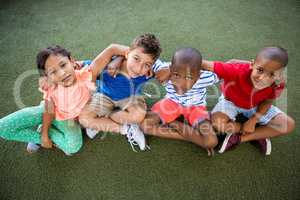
109 169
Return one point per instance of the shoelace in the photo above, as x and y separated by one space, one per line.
131 141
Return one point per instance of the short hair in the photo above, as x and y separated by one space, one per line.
189 56
149 43
275 53
43 55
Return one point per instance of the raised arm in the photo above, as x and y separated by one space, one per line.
105 56
207 65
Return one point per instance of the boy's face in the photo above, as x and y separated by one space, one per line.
60 70
138 63
183 77
265 72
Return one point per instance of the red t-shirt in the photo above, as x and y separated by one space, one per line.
237 86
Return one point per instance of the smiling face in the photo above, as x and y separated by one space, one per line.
60 70
265 72
138 62
183 77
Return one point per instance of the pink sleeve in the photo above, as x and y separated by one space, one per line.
85 74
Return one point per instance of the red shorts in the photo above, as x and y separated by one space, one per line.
169 110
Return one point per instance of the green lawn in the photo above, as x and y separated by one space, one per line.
108 169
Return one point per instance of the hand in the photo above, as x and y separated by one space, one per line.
162 75
249 126
46 142
113 67
43 83
112 70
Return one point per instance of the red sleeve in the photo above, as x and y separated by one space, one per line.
277 90
228 71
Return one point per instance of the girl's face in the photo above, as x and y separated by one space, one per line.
138 63
60 70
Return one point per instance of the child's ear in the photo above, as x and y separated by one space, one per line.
126 54
72 59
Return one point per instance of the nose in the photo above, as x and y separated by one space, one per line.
140 69
261 76
61 72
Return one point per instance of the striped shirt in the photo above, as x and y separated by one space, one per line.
196 96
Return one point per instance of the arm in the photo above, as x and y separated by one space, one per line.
48 116
114 66
104 58
162 75
207 65
161 70
249 126
238 61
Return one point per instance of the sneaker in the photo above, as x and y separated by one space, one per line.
91 133
32 147
231 140
134 135
264 145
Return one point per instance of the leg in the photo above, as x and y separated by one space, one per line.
94 114
66 135
89 119
21 125
133 110
280 125
222 123
223 117
151 126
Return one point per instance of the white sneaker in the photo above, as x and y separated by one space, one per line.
91 132
135 136
32 147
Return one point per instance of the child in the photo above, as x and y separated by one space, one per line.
249 89
123 91
186 95
70 90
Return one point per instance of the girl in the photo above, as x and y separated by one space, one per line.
69 92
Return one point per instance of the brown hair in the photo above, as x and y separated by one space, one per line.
149 43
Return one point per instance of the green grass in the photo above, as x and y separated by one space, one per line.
108 169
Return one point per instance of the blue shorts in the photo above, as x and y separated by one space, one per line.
231 110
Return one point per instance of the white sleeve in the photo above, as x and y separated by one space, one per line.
159 64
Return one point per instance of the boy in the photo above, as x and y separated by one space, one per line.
122 91
249 89
186 95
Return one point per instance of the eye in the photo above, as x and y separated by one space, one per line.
260 70
52 72
136 58
175 75
63 65
147 66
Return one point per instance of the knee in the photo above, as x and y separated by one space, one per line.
218 123
147 127
289 126
138 116
211 141
84 119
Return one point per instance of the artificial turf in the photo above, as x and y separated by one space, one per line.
108 169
